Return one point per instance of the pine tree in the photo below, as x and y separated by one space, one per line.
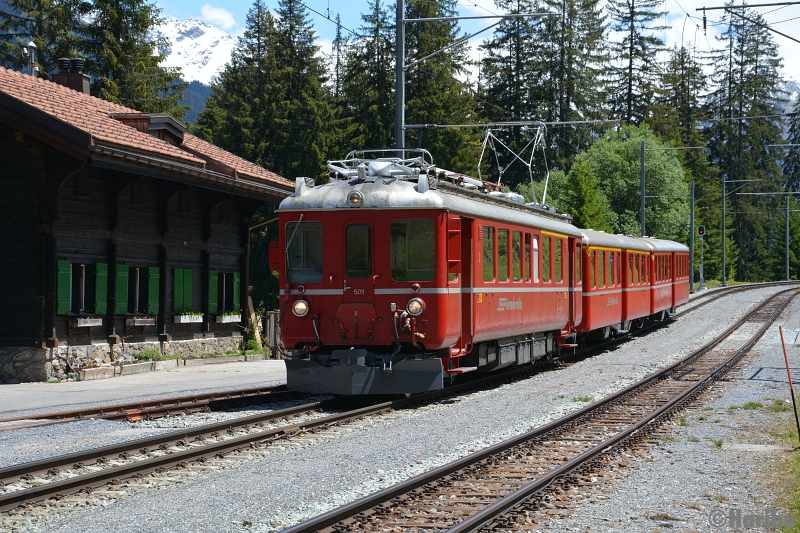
678 115
435 93
585 200
509 87
52 25
572 44
791 160
240 115
304 117
367 87
125 61
635 77
747 79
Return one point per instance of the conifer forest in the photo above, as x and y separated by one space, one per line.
596 73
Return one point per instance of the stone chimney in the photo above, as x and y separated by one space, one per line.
70 74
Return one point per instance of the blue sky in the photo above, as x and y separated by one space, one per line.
231 16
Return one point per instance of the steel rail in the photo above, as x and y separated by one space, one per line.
501 506
330 518
143 410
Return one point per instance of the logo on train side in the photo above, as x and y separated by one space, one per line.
612 300
510 305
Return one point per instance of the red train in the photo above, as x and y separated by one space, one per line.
398 276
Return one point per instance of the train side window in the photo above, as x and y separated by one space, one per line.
358 251
592 269
635 269
304 251
578 265
536 258
559 262
526 260
516 255
488 253
610 271
630 269
619 268
412 250
601 268
502 254
545 258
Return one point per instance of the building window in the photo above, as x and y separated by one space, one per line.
224 292
82 288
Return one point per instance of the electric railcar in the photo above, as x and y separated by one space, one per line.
398 276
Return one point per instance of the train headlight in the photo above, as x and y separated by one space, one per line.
300 308
415 306
355 199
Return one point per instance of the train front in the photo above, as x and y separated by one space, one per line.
364 308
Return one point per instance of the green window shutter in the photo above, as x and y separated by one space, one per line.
177 286
213 292
153 280
100 289
236 296
122 290
63 287
187 288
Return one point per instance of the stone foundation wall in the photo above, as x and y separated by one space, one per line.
23 364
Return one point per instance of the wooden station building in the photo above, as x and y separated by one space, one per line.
119 231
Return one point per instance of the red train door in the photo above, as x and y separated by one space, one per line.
356 315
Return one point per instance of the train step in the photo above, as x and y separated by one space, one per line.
462 370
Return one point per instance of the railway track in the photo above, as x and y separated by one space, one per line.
158 408
489 489
185 405
123 464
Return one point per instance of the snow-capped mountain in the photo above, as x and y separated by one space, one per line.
198 48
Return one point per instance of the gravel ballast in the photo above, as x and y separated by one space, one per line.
323 471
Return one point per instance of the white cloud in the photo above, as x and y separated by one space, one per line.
218 16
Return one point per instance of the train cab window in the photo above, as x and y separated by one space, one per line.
502 254
488 253
358 251
536 258
412 253
545 258
304 251
516 255
526 260
601 268
559 263
578 265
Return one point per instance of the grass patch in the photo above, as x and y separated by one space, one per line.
717 442
692 438
583 399
148 355
733 408
670 438
707 409
717 420
779 406
752 405
701 417
682 421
